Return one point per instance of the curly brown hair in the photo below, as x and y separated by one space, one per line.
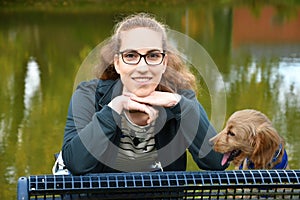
177 76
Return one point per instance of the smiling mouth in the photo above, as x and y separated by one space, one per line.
142 79
229 156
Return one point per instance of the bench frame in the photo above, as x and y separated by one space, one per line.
229 184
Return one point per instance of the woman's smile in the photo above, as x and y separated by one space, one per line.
142 79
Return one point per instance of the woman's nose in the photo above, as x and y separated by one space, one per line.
142 66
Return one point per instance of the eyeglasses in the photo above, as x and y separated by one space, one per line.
151 58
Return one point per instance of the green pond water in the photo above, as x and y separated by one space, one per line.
256 48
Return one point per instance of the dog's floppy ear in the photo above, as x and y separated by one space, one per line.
266 142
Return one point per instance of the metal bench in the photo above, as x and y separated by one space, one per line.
234 184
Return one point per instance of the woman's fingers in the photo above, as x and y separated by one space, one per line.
131 102
153 114
128 94
156 98
149 110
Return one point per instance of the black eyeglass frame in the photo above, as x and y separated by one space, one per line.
143 56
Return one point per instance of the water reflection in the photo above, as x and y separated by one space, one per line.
256 49
290 86
32 90
32 84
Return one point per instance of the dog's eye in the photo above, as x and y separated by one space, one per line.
230 133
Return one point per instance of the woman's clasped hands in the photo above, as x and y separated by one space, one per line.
143 110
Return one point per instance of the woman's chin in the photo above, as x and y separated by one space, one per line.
143 93
145 90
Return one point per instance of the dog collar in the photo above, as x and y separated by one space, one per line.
284 162
282 165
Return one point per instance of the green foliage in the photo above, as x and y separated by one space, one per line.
58 35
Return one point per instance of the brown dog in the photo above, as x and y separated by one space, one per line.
250 141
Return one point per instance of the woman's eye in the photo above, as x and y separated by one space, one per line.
130 55
230 133
154 55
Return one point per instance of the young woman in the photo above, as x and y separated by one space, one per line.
141 113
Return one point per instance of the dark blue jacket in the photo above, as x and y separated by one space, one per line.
92 131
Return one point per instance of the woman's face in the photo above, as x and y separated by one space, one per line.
140 79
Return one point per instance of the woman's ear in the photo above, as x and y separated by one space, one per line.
165 62
117 63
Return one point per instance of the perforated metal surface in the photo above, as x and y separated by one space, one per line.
254 184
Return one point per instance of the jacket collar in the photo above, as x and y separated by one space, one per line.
107 90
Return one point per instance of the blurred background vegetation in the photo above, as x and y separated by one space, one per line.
254 43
